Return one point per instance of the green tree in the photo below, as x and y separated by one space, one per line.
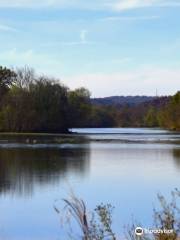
170 114
50 105
34 104
79 107
7 78
151 118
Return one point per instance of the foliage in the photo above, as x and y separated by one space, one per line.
98 224
158 112
169 216
166 217
79 107
94 226
31 103
151 117
102 117
7 77
170 114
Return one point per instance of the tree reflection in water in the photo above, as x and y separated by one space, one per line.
21 169
176 155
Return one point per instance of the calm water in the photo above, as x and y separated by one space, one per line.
124 167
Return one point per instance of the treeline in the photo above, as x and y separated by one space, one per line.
32 103
160 112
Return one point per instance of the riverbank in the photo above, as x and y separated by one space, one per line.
41 138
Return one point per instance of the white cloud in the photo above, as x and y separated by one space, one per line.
6 28
130 4
143 81
82 41
43 63
130 18
26 3
14 55
38 4
70 43
83 35
93 4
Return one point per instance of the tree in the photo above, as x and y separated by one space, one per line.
151 118
50 103
25 77
34 104
79 107
170 114
7 78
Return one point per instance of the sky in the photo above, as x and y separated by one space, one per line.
111 47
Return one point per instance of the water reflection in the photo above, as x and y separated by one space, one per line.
126 170
23 169
176 155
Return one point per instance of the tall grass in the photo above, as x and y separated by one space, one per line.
97 225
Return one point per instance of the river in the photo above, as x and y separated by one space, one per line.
125 167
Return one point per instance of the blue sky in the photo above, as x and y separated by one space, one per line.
112 47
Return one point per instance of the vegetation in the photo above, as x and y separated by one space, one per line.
98 224
94 226
146 112
31 103
170 115
169 216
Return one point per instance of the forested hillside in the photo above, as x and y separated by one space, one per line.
121 100
158 112
32 103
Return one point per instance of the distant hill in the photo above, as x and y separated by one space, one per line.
122 100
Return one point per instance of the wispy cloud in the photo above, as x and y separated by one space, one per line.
42 62
144 80
93 4
44 3
83 35
6 28
13 55
82 40
73 43
25 3
131 4
130 18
